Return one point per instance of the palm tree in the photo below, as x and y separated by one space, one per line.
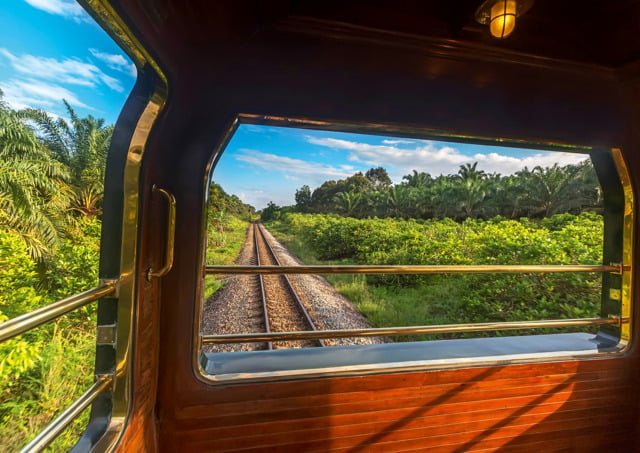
33 186
556 189
417 179
397 201
81 145
347 202
472 189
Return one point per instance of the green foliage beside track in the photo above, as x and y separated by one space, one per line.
470 193
227 223
44 370
225 239
393 300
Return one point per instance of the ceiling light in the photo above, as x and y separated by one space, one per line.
501 15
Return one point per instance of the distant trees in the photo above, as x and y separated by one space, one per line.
379 178
470 193
220 203
303 198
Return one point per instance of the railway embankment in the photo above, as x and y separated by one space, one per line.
235 308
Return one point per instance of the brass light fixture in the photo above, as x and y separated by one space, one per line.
501 15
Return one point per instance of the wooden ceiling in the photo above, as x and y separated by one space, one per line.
605 33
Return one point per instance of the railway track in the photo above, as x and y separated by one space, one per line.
240 306
282 307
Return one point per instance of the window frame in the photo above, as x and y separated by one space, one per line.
619 216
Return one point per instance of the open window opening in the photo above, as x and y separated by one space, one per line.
404 251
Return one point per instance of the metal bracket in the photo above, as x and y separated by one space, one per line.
106 335
107 377
115 282
620 269
619 319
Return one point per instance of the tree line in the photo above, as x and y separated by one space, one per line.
470 193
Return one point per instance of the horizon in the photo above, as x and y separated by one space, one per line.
263 164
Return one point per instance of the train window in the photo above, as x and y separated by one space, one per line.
330 251
63 84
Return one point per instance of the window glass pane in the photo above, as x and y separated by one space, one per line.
344 198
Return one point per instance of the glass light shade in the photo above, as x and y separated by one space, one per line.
503 18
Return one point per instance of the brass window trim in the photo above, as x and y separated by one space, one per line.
624 268
415 269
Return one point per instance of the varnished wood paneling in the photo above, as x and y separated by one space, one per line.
140 434
455 410
332 71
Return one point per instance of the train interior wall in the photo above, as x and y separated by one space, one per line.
302 70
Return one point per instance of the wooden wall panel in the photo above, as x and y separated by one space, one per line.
140 434
582 405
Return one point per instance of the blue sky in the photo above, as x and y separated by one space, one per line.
52 50
263 164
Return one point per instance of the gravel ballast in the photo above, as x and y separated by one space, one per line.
235 308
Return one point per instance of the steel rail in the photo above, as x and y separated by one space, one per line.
31 320
292 290
417 269
262 293
413 330
55 428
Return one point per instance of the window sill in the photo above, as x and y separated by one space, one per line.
393 357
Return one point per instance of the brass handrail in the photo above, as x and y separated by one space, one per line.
412 330
413 269
171 235
55 428
28 321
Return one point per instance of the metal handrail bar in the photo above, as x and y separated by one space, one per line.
28 321
414 269
55 428
413 330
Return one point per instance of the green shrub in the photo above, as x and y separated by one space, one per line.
46 369
561 239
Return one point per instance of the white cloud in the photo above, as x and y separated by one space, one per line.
427 155
509 165
67 8
116 62
397 142
292 167
436 160
37 94
69 71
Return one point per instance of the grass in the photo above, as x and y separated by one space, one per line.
28 406
224 241
387 306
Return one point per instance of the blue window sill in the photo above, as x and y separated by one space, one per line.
344 360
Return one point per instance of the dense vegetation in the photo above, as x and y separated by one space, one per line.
471 193
51 187
227 222
543 215
392 300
